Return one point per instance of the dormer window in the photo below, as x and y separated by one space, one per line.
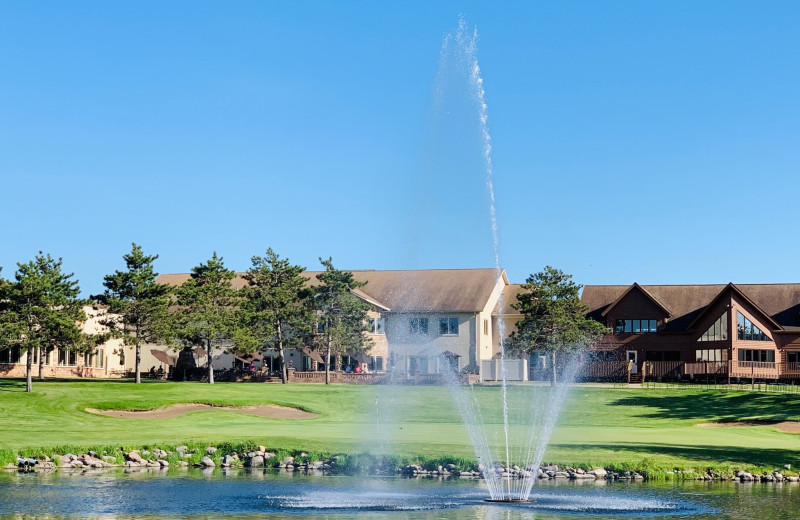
635 326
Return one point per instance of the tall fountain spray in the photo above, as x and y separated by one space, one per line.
536 411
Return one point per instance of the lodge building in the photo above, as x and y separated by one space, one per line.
733 331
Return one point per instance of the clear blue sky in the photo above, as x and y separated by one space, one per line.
654 142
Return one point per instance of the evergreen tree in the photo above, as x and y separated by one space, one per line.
138 306
553 317
341 314
207 309
39 309
276 306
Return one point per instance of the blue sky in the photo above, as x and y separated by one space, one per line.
654 142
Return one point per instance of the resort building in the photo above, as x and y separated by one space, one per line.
419 319
744 331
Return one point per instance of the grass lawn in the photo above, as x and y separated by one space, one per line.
599 425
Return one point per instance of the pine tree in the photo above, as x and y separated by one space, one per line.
40 309
342 314
276 307
138 306
207 309
553 317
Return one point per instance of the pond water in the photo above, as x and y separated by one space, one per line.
269 494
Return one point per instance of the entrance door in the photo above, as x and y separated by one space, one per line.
632 357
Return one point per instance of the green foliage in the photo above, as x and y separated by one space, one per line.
40 309
553 317
276 307
343 314
138 306
207 313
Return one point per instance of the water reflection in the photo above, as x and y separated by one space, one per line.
242 493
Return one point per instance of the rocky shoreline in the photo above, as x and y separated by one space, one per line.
210 457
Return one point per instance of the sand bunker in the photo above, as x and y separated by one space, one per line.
784 426
263 410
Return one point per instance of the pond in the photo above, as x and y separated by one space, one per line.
268 494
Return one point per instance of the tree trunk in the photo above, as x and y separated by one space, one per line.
282 355
210 364
328 361
553 359
42 352
28 363
137 372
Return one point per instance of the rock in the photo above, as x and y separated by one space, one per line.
183 464
76 464
97 464
598 472
109 459
163 463
182 449
637 476
303 454
261 449
268 455
160 454
131 464
210 450
24 462
745 476
227 461
787 466
134 457
550 473
791 479
255 462
145 453
206 462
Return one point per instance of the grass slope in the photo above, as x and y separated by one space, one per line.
640 428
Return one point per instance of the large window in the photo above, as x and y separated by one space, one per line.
376 363
635 326
448 326
662 355
712 354
376 326
418 325
762 356
748 331
94 359
10 356
793 357
67 358
718 331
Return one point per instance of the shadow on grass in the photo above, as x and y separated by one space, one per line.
718 406
18 384
710 454
12 385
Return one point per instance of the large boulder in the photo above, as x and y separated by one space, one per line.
598 472
134 457
256 461
206 462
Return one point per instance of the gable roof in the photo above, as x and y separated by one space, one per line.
638 287
426 290
779 302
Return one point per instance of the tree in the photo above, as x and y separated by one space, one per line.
39 309
275 304
553 317
342 314
207 306
138 306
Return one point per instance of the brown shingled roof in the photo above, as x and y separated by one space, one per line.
429 290
685 302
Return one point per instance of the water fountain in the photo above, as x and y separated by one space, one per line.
505 484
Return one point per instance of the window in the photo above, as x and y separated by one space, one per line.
448 326
747 331
376 326
759 356
67 358
793 357
418 325
662 355
714 354
718 330
635 326
376 363
591 355
94 359
10 356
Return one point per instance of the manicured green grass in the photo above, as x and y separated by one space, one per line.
600 425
